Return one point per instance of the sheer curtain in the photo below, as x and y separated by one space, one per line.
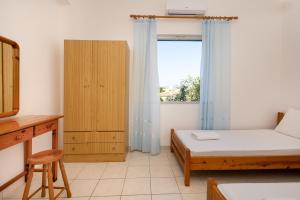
215 75
145 134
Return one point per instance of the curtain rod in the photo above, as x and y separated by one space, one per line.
184 17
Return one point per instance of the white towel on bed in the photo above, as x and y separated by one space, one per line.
206 135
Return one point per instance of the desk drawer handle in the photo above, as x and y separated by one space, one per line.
73 148
19 137
113 148
73 138
23 131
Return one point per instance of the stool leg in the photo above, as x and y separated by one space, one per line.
44 181
65 179
28 183
50 182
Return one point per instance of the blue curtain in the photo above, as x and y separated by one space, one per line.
215 75
145 134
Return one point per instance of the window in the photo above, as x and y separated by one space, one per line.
179 69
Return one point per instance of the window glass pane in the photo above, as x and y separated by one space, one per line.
179 70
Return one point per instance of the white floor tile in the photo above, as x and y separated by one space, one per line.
75 198
164 186
106 198
138 172
138 161
114 172
92 171
166 197
194 196
72 170
197 185
109 187
136 186
136 197
177 170
172 159
136 154
125 163
159 160
83 188
161 171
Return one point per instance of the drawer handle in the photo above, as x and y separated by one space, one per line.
113 148
19 137
23 131
73 138
114 137
73 148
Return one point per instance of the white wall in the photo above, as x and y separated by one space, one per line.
290 71
34 25
41 26
178 116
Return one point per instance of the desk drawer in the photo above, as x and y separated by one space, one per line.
43 128
16 137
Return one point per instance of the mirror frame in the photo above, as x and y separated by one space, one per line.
16 76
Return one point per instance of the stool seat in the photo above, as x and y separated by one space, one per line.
45 157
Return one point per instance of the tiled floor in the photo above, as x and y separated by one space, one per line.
144 177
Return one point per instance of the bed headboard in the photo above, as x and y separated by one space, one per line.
280 115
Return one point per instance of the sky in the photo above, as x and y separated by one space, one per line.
177 60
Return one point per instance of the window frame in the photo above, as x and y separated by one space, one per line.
179 37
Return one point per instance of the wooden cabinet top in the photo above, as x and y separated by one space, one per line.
17 123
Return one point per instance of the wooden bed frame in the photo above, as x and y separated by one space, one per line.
190 163
213 192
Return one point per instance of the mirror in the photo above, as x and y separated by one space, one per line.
9 77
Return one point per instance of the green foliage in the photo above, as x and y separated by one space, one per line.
189 90
162 90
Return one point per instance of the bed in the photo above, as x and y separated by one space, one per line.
252 191
282 153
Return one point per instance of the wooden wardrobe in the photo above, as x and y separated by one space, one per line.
95 100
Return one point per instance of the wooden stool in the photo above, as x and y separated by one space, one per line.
45 158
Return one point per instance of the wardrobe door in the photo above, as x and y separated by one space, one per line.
109 58
78 94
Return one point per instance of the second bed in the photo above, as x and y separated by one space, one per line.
253 191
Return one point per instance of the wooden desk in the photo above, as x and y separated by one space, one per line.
23 129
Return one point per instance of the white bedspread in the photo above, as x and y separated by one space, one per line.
242 143
261 191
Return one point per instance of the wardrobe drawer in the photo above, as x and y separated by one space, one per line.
43 128
76 137
107 148
15 137
93 137
94 148
76 148
106 137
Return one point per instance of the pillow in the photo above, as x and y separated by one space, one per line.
290 124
